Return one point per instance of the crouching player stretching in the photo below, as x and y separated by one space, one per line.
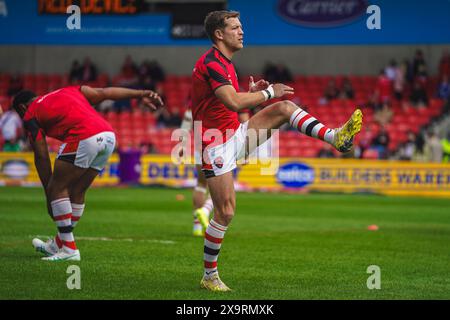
88 141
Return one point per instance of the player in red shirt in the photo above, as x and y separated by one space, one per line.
88 141
216 100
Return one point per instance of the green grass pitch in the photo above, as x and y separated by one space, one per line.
279 246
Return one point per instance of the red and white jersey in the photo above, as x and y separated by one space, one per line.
212 71
65 115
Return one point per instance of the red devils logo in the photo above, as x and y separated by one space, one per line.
218 162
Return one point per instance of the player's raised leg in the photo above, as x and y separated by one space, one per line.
273 116
223 196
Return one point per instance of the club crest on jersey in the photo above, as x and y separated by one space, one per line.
218 162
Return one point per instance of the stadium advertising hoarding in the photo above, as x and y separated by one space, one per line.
17 169
292 174
266 22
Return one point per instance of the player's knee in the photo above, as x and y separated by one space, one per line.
286 107
226 209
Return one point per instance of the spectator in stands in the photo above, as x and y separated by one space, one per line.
347 91
444 65
331 91
444 88
365 140
156 71
409 71
420 146
399 81
418 62
11 130
277 73
147 83
175 118
433 147
326 151
128 76
75 73
15 85
384 115
88 71
408 151
391 70
162 117
147 147
384 87
418 97
374 101
381 143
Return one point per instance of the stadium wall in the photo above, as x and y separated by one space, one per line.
306 60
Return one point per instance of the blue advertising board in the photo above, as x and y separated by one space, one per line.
265 22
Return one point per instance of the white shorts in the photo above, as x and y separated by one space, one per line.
92 152
223 158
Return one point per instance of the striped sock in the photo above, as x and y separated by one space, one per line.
62 215
208 206
307 124
213 239
77 212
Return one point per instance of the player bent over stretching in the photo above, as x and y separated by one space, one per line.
88 141
215 102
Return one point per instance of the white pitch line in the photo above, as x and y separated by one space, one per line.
113 239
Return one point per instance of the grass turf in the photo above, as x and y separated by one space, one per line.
279 246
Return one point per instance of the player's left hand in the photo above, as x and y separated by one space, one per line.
257 86
152 100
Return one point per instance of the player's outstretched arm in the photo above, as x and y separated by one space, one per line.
96 95
236 101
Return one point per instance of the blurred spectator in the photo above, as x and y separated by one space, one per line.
418 95
381 143
391 70
408 151
365 139
162 117
374 101
347 91
444 88
11 130
147 147
156 71
445 142
383 115
75 73
420 146
147 83
331 91
399 81
88 71
175 118
418 62
15 85
326 151
444 65
277 73
433 147
128 76
384 87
